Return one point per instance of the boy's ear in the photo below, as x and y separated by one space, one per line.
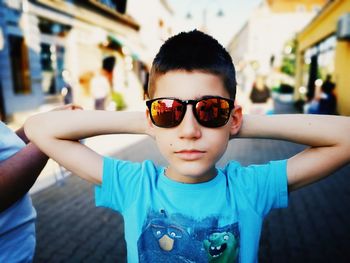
237 118
150 126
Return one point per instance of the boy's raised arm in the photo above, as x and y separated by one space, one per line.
58 133
327 136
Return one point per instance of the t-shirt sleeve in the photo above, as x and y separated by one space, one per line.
264 186
120 184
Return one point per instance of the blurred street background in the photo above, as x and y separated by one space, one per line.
290 57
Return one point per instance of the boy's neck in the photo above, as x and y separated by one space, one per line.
190 179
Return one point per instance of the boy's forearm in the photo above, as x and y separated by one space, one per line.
312 130
18 174
79 124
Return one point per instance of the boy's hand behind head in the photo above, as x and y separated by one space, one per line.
20 132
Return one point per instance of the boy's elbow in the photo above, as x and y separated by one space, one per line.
347 132
344 140
33 127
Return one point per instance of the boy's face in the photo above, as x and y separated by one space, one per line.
191 149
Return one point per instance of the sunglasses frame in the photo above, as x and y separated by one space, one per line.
184 103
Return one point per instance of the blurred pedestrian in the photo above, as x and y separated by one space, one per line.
260 93
144 80
101 84
260 97
67 90
328 100
325 100
20 164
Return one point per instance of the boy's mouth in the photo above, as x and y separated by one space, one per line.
190 155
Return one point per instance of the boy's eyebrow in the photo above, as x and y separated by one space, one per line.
207 96
210 96
195 98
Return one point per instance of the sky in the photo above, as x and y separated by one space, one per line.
223 28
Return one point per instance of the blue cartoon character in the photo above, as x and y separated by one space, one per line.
221 247
167 234
166 239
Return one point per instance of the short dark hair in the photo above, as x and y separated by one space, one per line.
194 51
108 63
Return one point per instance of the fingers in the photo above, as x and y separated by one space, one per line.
76 107
68 107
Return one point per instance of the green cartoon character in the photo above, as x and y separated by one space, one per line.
221 247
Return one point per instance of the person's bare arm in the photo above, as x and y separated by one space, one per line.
58 133
327 136
18 174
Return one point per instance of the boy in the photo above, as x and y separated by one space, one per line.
192 211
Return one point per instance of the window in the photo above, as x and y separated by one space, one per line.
19 65
52 28
52 64
52 55
110 3
117 5
319 62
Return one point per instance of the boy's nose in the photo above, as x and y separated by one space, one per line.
189 127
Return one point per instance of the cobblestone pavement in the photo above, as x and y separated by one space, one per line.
314 228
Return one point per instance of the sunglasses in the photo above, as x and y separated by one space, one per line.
211 112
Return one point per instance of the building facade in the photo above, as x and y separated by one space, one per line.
156 18
258 48
284 6
43 39
324 49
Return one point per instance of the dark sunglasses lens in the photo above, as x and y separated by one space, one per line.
166 113
213 112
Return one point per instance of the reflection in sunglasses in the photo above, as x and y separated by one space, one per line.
209 112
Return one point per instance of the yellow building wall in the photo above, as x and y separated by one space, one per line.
279 6
342 76
321 27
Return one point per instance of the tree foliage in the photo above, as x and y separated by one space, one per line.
289 58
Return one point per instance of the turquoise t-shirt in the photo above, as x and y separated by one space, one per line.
17 229
215 221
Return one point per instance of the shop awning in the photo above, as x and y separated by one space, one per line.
135 50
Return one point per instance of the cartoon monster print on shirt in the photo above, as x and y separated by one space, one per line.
221 247
177 238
